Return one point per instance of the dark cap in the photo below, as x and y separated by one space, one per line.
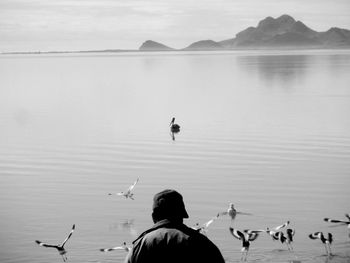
169 202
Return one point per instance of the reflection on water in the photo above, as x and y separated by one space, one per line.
285 71
267 131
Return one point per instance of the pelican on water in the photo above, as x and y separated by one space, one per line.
173 126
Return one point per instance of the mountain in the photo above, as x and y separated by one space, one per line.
150 45
281 32
204 45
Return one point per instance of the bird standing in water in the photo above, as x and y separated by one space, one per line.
174 127
59 247
326 241
289 235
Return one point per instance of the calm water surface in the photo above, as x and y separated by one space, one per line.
267 131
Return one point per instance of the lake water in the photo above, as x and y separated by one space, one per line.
266 130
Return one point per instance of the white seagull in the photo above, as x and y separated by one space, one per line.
122 247
59 247
204 228
232 212
246 239
128 193
326 241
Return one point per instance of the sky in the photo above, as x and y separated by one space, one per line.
47 25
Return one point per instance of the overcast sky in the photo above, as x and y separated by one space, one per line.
31 25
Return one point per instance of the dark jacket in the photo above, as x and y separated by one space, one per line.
169 242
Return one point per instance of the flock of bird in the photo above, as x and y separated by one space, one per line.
246 236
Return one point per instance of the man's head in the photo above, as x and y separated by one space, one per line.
168 204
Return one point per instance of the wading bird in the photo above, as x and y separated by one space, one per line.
246 239
232 212
342 222
273 233
326 241
289 235
173 126
59 247
122 247
128 193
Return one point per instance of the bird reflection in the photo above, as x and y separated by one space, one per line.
59 247
129 226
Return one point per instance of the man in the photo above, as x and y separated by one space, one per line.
169 240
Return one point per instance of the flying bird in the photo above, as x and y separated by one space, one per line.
59 247
122 247
326 241
232 212
246 239
342 222
204 228
173 126
128 193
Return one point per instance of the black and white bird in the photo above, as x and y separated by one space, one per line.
290 238
59 247
274 231
246 239
232 212
128 193
326 241
173 126
341 222
122 247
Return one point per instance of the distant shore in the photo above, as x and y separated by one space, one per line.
173 50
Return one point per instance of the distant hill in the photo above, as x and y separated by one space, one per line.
281 32
150 45
204 45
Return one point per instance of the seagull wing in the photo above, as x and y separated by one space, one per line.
282 226
222 214
335 221
133 185
111 249
242 213
44 244
207 224
236 233
69 235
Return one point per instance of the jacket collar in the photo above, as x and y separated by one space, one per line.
160 224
